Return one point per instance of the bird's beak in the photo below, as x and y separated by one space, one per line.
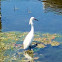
36 19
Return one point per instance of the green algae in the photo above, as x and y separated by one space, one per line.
8 38
54 43
9 41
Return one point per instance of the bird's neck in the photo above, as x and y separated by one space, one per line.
32 28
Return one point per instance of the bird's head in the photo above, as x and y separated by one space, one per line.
32 19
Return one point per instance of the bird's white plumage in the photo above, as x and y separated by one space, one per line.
29 38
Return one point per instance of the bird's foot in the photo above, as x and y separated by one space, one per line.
33 46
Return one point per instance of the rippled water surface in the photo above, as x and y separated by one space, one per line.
16 15
14 26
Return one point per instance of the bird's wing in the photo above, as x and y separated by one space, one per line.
28 40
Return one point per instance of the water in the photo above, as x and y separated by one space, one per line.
15 15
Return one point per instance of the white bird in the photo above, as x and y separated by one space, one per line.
29 38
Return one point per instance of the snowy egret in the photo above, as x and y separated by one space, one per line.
29 38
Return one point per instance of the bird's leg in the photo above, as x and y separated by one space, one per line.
30 47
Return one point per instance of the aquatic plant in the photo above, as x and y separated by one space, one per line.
54 43
13 41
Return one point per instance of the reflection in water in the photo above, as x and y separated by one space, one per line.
29 55
52 6
0 16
